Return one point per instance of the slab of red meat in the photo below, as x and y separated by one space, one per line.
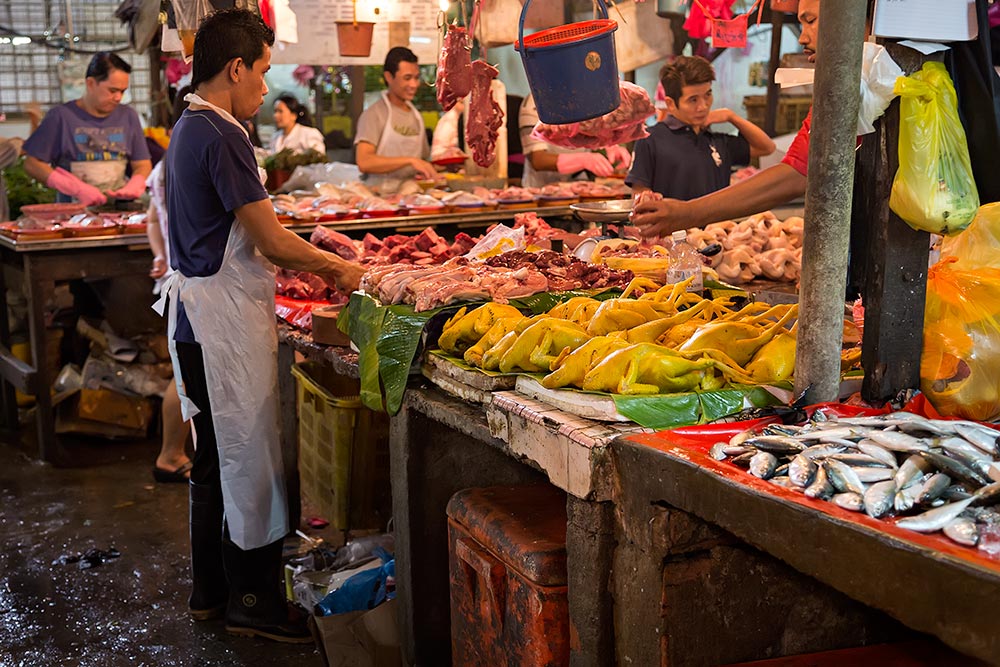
334 242
485 115
624 124
463 244
372 244
454 73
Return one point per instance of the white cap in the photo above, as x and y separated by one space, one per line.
679 235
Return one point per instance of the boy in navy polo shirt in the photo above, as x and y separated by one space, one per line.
683 158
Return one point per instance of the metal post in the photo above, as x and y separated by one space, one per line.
828 201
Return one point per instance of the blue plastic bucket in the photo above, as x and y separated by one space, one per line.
572 69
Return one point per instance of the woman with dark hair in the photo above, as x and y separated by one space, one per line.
294 127
84 148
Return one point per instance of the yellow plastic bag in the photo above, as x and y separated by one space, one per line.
934 190
979 245
960 366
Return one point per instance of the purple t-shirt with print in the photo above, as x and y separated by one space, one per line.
70 134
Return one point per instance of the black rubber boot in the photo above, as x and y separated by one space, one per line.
257 607
209 591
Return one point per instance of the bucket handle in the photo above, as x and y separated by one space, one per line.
524 12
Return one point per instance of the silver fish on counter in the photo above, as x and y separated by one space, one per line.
933 474
935 519
962 530
878 498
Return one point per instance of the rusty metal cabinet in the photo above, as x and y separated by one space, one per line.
507 557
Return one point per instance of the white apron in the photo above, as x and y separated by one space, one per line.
232 316
394 144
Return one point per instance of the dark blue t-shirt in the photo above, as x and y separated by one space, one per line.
680 164
69 134
210 172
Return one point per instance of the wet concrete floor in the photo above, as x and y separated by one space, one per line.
129 611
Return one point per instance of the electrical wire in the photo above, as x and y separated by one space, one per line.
44 41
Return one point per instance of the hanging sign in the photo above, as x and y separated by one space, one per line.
730 33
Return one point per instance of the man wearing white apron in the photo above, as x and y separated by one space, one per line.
391 144
223 238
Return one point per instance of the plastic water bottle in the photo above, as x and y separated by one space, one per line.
685 262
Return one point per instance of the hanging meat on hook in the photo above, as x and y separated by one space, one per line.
454 73
485 115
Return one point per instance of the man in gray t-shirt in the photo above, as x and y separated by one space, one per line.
391 142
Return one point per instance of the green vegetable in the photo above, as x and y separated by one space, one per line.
288 160
23 190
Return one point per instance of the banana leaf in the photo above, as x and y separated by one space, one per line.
672 410
362 320
387 338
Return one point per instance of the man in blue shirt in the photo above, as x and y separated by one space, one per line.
224 237
83 148
683 158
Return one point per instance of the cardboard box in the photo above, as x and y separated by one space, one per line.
104 413
324 327
361 638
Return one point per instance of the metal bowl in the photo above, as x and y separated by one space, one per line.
611 210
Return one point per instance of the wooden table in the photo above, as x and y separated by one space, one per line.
38 266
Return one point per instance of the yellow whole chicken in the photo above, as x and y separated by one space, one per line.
570 368
646 369
537 346
465 328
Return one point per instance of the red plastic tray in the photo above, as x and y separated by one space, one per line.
693 442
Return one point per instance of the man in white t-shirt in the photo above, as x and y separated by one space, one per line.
391 142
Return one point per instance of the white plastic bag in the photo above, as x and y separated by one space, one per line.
499 240
878 76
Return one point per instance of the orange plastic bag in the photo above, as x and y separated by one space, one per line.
960 366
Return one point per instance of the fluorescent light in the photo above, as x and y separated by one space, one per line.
444 5
414 39
19 41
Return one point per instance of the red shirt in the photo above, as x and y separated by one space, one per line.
797 156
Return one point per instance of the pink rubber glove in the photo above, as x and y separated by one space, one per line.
619 157
595 163
68 184
134 189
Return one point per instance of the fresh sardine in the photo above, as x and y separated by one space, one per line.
857 460
878 452
743 460
801 471
988 495
911 470
843 433
983 437
843 478
962 530
762 465
905 499
934 519
739 438
878 499
784 481
853 502
898 442
872 475
821 451
718 451
955 469
776 444
932 489
820 488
